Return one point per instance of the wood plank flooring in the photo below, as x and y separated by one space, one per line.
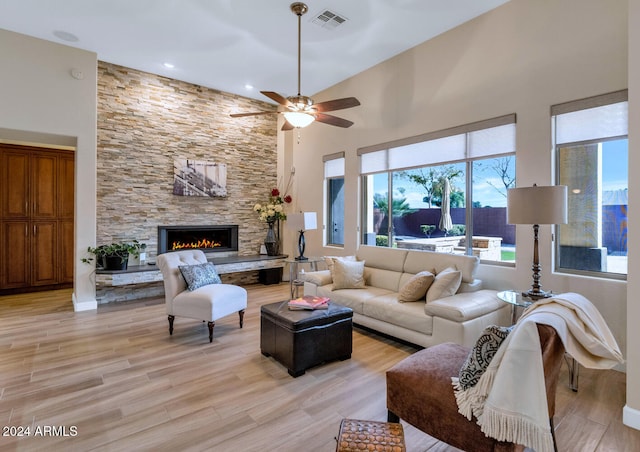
115 380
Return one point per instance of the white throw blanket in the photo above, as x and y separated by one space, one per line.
509 401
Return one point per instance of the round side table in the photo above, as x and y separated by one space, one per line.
294 281
516 300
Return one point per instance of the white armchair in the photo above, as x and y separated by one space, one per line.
208 303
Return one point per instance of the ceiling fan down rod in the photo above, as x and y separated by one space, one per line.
299 9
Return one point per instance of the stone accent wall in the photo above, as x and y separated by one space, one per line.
144 122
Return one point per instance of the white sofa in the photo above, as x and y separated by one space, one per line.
458 318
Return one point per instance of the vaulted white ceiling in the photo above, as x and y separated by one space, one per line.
227 44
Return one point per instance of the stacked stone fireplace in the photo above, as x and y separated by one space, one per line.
216 240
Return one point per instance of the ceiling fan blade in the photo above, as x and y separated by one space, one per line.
287 126
255 113
337 104
333 120
276 97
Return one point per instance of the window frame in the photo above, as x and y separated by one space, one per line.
328 204
383 150
570 107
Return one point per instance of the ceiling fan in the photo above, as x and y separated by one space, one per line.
300 111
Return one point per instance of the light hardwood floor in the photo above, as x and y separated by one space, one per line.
120 380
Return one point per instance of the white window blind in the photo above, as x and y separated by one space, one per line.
334 165
374 162
594 123
492 141
427 152
495 136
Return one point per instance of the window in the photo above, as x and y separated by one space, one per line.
591 150
334 196
442 191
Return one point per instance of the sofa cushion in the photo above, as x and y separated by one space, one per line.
385 279
445 284
383 258
410 315
199 275
353 298
416 287
348 275
481 355
465 306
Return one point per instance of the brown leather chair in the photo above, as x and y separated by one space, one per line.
419 391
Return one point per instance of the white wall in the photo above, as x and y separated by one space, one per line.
632 409
41 103
520 58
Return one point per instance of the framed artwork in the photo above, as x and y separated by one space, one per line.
199 178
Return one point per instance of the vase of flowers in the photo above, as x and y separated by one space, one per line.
271 213
271 241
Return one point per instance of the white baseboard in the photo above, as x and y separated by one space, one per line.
89 305
631 417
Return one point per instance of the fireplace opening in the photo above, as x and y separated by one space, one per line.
208 238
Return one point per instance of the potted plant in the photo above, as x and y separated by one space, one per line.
114 256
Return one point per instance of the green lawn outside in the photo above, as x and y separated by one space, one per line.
508 255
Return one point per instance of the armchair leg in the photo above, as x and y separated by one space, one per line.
210 325
392 417
241 315
171 318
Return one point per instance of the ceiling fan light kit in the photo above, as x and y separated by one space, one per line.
298 119
300 111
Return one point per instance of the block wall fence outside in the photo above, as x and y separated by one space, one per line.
144 122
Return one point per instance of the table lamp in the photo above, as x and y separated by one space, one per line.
303 221
537 205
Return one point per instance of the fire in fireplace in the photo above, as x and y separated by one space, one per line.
208 238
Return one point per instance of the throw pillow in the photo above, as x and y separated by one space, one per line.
328 260
445 284
348 274
416 288
481 355
199 275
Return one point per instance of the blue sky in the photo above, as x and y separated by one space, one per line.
615 164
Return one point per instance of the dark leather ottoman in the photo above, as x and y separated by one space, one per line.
302 339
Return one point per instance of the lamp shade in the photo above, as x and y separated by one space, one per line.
298 119
537 205
303 221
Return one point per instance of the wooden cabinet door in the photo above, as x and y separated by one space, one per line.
65 251
37 191
15 255
66 186
44 253
66 194
14 196
44 186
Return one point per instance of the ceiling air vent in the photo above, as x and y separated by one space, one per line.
328 19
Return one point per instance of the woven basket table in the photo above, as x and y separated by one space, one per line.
357 435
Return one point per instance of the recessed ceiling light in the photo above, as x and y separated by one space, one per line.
248 87
66 36
168 65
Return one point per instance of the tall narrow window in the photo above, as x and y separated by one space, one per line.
442 191
591 144
334 195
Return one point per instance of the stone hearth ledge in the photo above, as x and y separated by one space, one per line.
140 274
